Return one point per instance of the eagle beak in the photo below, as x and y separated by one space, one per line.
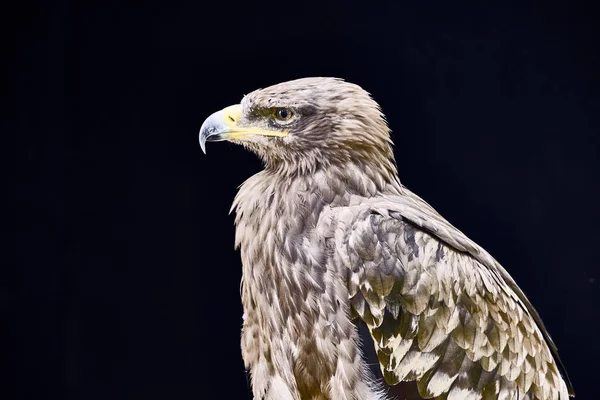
224 125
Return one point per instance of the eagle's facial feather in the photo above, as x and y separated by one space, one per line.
325 121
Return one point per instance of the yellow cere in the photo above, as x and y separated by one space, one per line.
232 115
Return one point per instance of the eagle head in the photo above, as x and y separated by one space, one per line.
302 125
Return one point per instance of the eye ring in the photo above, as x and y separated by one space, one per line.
283 114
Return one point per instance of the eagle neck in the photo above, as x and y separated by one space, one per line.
276 213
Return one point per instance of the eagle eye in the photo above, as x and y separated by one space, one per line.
283 114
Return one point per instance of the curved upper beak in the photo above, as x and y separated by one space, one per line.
219 125
224 125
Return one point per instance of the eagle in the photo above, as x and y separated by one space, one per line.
353 287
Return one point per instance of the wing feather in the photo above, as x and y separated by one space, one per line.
441 311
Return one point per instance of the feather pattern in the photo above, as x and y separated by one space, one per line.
471 336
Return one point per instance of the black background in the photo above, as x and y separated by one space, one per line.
126 285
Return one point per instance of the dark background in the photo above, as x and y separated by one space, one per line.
126 284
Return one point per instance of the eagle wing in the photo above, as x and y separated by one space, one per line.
441 311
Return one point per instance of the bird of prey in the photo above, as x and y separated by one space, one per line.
353 287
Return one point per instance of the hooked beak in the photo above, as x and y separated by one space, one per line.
224 125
